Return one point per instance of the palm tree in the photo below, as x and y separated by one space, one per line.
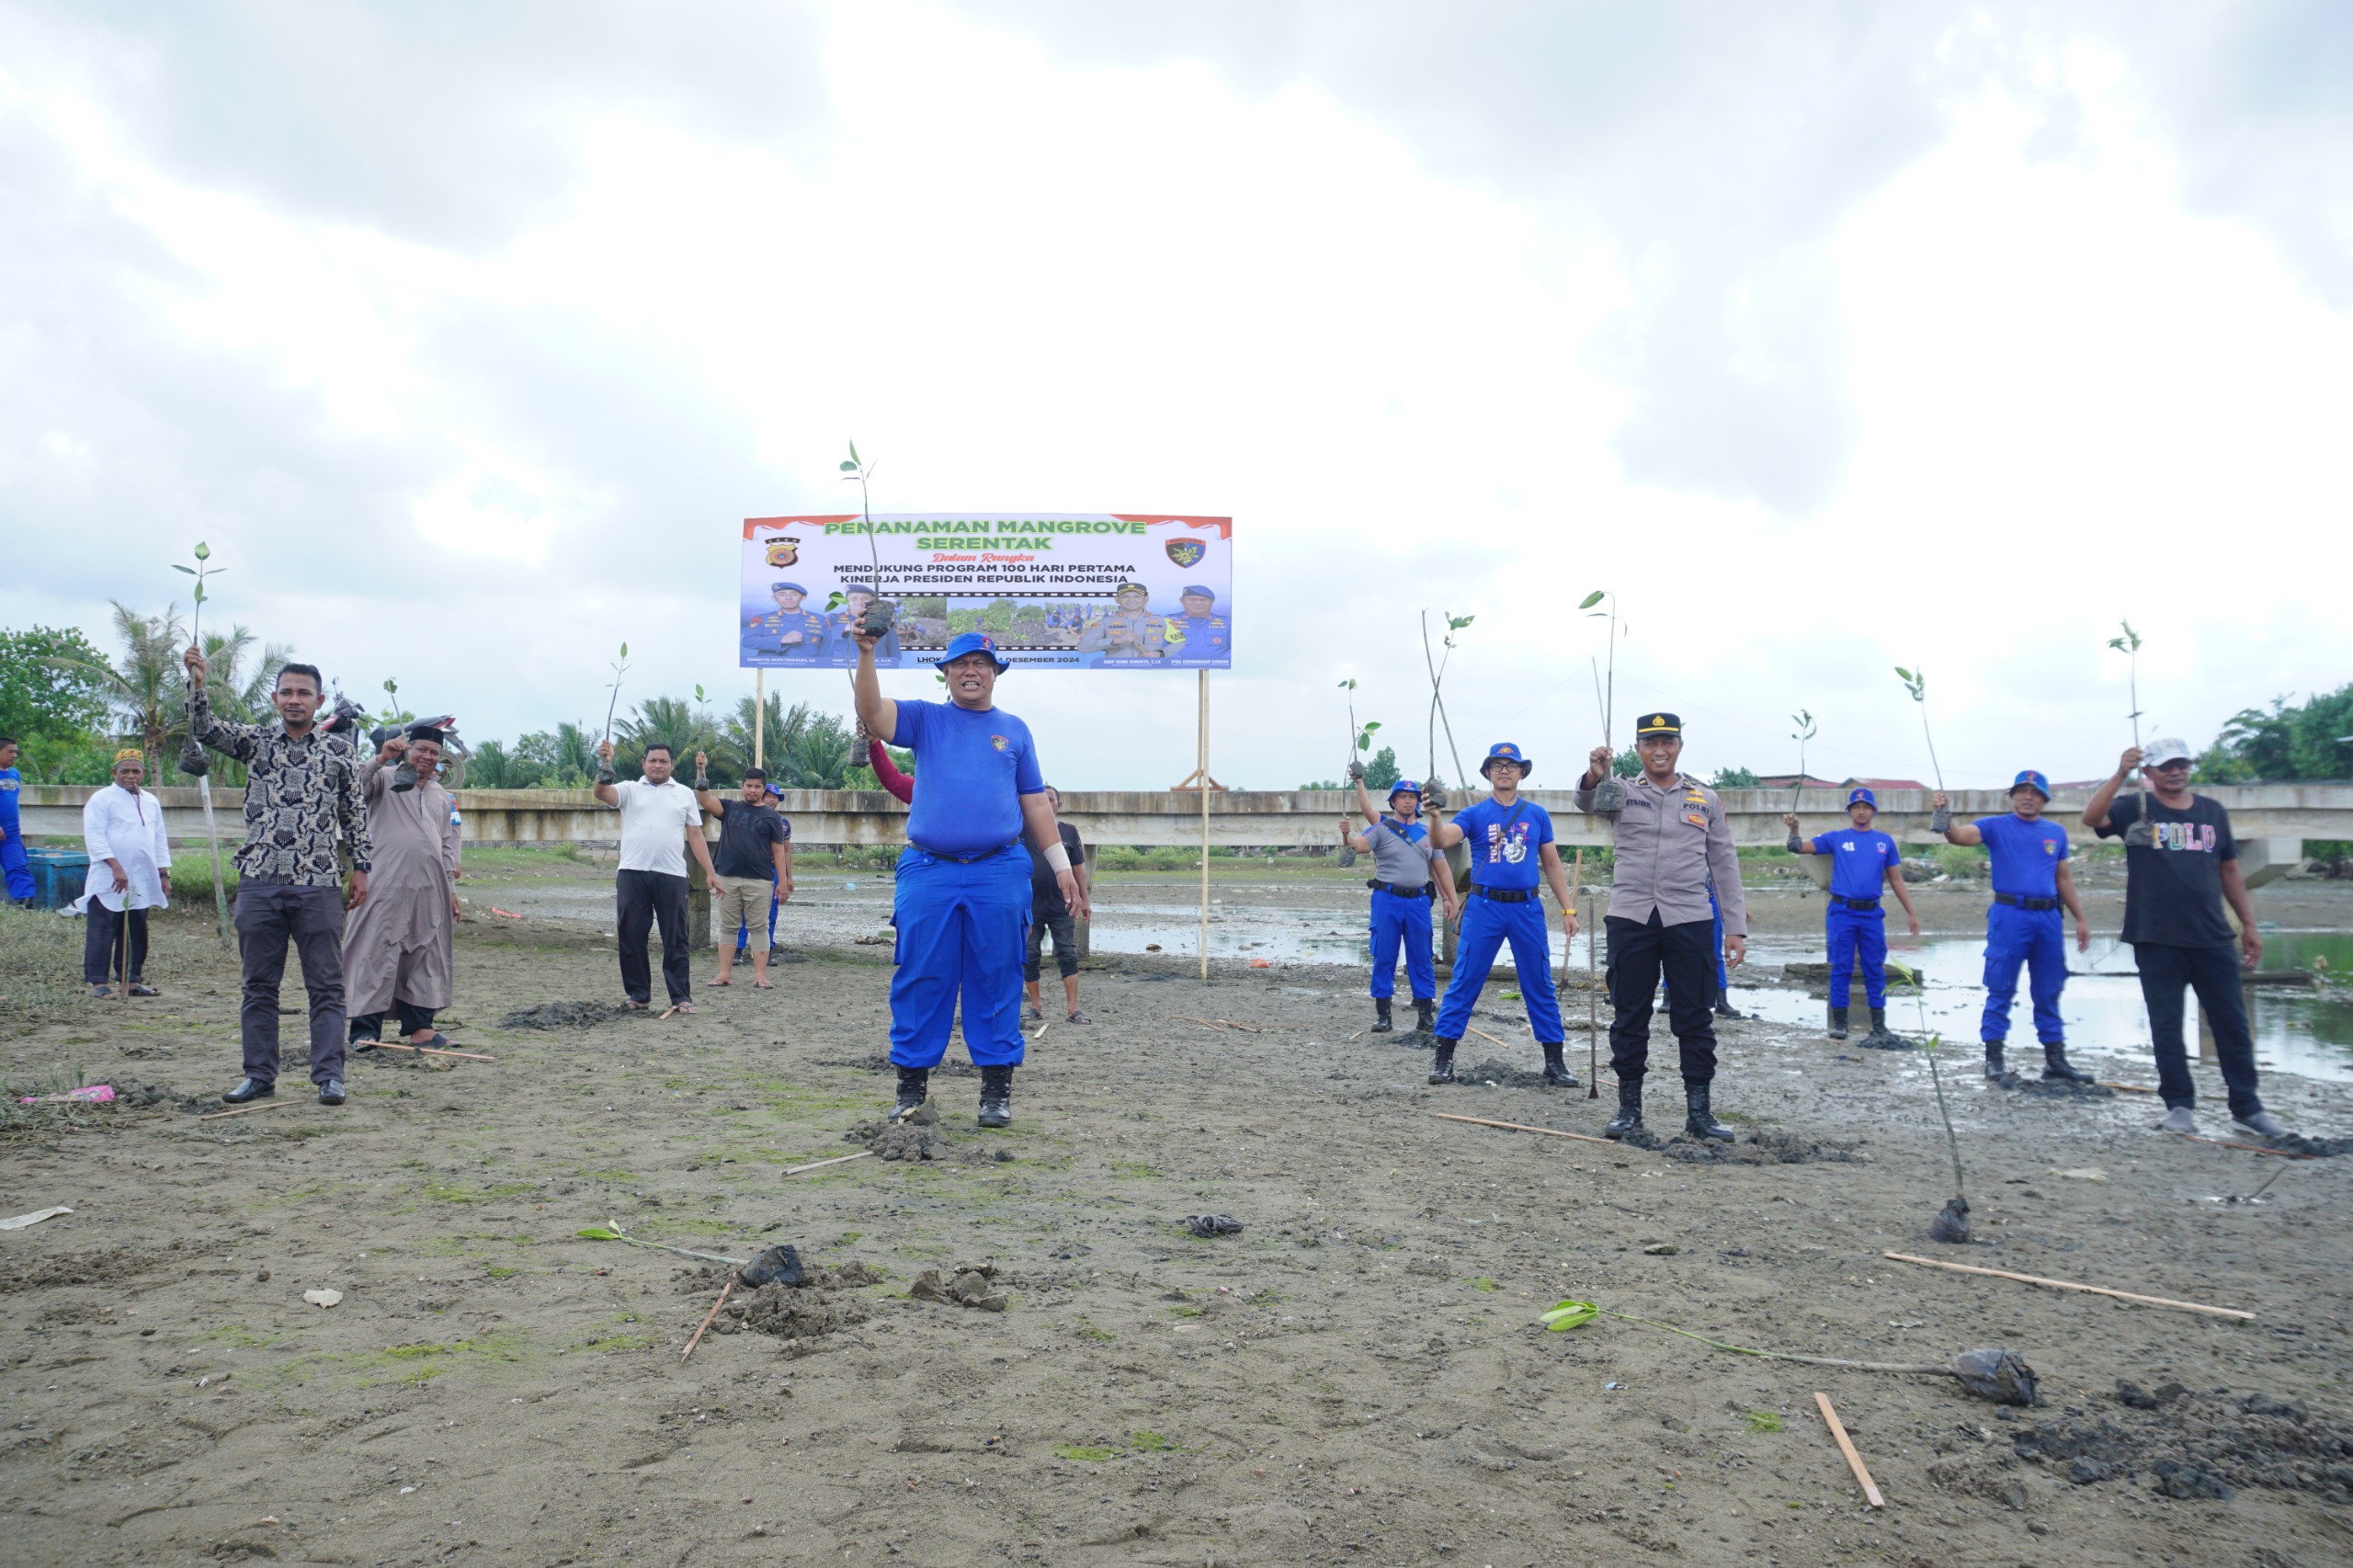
239 691
687 730
782 728
146 688
819 756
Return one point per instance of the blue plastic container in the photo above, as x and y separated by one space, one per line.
59 875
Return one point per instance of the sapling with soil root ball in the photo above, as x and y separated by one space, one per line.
605 765
1951 1224
1916 683
1609 794
2139 833
1437 667
879 611
2001 1376
192 758
1359 740
1804 733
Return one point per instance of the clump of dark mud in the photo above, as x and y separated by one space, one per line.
2317 1148
1951 1224
805 1312
2177 1443
2055 1088
1504 1076
139 1097
563 1015
916 1138
414 1062
1763 1147
878 1062
968 1285
106 1266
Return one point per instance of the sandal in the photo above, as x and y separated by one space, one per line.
722 983
762 986
686 1008
141 988
630 1007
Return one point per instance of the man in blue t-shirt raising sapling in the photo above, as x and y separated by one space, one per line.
1408 871
1510 841
962 903
1863 861
2032 884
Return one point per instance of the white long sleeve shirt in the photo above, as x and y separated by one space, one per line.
128 826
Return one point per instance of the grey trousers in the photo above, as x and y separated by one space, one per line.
270 915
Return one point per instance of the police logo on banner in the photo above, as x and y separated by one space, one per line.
1186 552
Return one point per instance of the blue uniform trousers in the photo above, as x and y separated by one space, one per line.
1862 932
1399 919
1486 926
962 927
2037 939
18 867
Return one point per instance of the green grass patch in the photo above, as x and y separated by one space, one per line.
459 1192
615 1175
1151 1443
1133 1168
501 1271
1083 1454
1762 1421
1483 1283
1188 1311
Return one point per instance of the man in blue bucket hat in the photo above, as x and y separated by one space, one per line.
1511 844
1409 871
1864 863
2032 883
961 900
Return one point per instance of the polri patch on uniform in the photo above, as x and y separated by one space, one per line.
1697 819
999 742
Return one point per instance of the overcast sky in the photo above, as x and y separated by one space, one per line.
1831 335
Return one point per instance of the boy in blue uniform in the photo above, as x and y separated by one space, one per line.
13 862
1408 871
1862 861
961 900
1510 841
2032 883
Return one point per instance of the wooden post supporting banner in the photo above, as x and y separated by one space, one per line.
760 719
1200 780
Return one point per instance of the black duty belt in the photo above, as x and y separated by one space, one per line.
966 859
1847 903
2015 902
1503 895
1424 891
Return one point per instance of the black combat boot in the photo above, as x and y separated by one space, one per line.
2056 1065
1442 1062
1837 1023
914 1087
1381 1021
1424 1014
1994 1068
1698 1121
1725 1010
1629 1107
1556 1072
1882 1038
997 1096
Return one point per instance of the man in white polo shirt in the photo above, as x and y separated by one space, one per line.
660 822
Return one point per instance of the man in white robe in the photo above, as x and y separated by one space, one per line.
399 947
131 859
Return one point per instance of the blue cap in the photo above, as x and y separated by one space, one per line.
2040 785
1189 589
1504 751
970 642
780 588
1862 798
859 588
1404 786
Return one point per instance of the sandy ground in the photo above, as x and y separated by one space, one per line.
1357 1376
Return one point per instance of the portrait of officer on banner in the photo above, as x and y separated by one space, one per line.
789 634
839 650
1200 635
1129 633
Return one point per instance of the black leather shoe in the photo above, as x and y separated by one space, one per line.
331 1092
250 1090
1442 1062
1698 1121
1630 1109
914 1087
1381 1021
997 1096
1837 1023
2056 1065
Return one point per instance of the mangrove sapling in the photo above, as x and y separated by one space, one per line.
1916 683
192 758
1609 794
2139 833
1438 716
879 610
1359 740
1951 1224
2002 1376
1803 733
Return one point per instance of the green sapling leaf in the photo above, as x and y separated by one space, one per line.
1592 598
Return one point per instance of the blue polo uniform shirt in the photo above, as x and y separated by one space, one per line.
971 771
1860 859
1504 842
1507 846
2025 855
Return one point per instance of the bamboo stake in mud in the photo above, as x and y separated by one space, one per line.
243 1110
2071 1285
1203 779
1593 1004
1847 1447
429 1051
706 1320
1518 1127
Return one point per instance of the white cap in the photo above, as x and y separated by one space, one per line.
2167 750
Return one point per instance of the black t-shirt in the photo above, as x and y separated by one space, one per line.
1045 894
745 835
2173 889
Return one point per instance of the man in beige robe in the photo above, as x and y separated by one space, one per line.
398 947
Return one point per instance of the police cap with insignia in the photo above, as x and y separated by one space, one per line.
2029 778
866 589
1669 725
971 643
791 587
1404 786
1132 588
1504 751
1194 590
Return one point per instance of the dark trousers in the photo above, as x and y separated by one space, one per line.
270 915
2213 974
1065 931
1639 954
413 1020
102 943
640 901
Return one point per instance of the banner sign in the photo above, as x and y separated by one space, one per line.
1114 590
